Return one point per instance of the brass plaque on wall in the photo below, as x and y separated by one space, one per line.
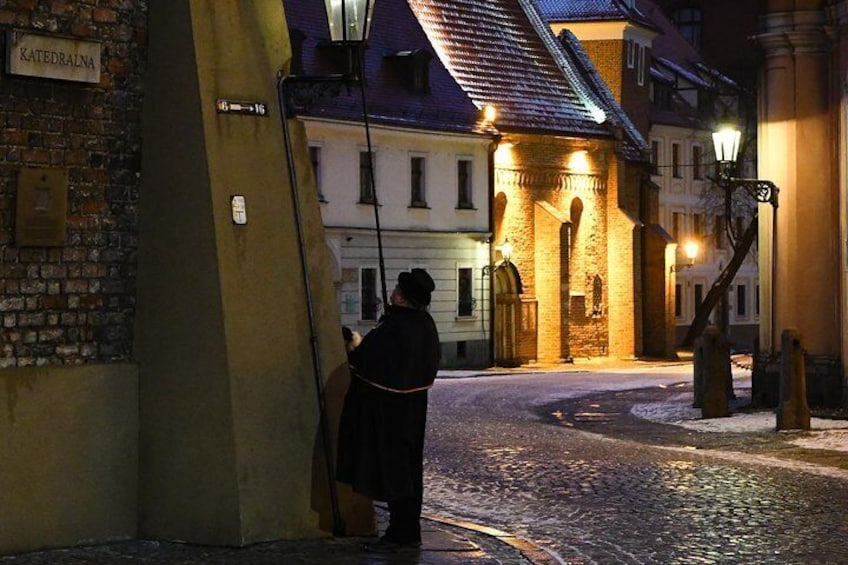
42 207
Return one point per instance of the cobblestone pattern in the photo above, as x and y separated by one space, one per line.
74 304
599 500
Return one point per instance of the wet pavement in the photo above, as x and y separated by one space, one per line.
578 474
444 542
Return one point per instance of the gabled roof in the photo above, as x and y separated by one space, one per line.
591 11
503 54
394 32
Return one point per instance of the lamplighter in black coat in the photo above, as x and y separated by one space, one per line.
381 434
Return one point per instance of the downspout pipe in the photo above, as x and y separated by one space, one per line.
339 527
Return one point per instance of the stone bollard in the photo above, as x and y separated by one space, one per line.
792 411
715 373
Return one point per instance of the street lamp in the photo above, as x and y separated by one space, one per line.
690 249
506 250
726 141
349 22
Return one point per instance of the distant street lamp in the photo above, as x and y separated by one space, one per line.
506 250
690 248
349 22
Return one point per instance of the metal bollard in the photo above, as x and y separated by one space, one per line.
793 413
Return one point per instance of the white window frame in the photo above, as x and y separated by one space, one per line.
469 205
359 291
423 202
364 150
473 314
640 73
631 53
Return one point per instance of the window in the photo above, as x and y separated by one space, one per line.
675 160
697 171
463 183
417 182
631 56
366 178
464 297
688 21
640 72
676 225
719 232
741 301
315 159
699 295
368 300
678 301
698 226
655 158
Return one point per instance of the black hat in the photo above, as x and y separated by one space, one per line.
416 286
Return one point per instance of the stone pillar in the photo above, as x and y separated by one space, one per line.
797 151
792 412
230 444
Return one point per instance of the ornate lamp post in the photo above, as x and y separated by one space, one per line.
726 141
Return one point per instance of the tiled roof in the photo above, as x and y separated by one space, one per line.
590 10
503 54
394 29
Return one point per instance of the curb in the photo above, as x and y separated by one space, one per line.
536 554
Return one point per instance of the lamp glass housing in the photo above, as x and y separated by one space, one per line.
690 248
349 20
506 250
726 143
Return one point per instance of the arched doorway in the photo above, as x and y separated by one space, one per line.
507 315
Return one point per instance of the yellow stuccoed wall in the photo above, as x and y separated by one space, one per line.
231 451
69 471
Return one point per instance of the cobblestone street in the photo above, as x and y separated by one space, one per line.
522 453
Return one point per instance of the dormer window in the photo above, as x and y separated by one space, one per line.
413 67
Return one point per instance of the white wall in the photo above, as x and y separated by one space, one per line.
439 237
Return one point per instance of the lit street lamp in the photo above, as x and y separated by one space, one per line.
726 141
690 249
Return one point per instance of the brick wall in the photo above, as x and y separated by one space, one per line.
75 303
535 176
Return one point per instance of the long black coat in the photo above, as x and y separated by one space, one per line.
381 435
